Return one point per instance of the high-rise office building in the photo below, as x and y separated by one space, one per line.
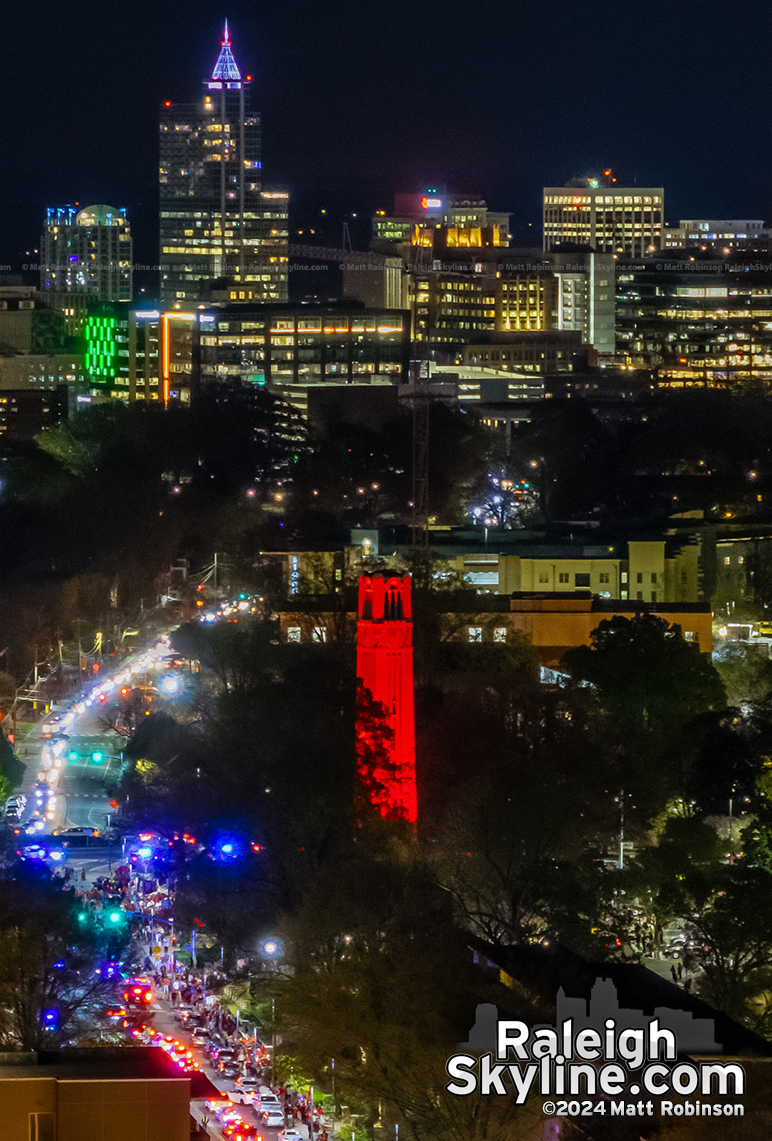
216 218
86 257
626 221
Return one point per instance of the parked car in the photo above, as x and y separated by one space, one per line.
272 1117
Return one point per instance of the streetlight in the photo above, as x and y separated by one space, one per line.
271 949
332 1130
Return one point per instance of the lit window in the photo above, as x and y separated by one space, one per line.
727 560
319 634
475 633
500 634
293 633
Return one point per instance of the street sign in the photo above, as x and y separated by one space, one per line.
187 947
114 803
156 950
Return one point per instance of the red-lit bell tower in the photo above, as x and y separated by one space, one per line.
385 665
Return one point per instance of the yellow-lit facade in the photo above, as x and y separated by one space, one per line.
615 220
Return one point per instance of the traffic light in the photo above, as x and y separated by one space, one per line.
97 756
115 916
82 917
73 755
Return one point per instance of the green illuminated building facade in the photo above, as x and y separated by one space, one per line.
105 340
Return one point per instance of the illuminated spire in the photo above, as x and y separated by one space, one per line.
226 67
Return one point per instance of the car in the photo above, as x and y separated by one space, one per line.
229 1068
13 811
765 629
200 1035
272 1118
181 1012
81 831
239 1130
227 1112
19 798
212 1104
290 1135
138 992
240 1095
36 850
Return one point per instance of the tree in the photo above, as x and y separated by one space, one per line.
518 846
11 769
377 977
49 992
642 687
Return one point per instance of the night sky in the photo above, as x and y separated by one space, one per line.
362 99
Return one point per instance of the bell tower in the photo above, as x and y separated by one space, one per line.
385 666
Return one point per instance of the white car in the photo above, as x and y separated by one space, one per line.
272 1117
241 1095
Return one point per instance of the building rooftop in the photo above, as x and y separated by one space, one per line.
102 1063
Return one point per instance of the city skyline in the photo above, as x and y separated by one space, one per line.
541 101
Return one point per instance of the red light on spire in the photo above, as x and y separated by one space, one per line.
606 173
249 79
168 103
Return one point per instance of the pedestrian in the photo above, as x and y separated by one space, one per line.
680 971
673 973
688 986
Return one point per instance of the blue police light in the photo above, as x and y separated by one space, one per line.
59 965
51 1018
227 848
170 685
145 853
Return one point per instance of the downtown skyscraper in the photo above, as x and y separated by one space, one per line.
216 220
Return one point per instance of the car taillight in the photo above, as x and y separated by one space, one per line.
148 998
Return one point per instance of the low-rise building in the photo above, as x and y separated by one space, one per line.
551 623
723 235
96 1094
552 351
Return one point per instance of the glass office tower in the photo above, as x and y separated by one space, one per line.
216 219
